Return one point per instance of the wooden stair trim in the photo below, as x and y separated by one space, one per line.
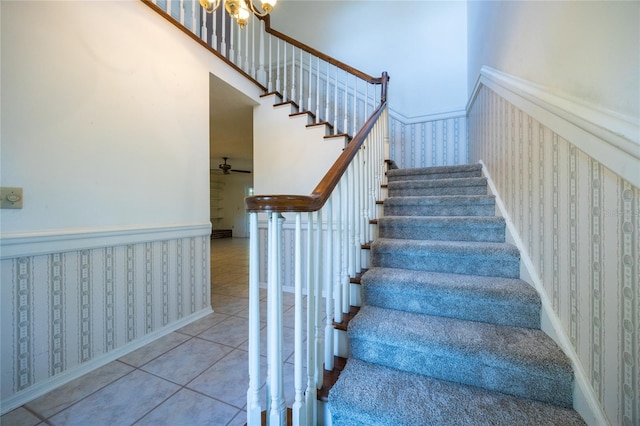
308 113
339 135
321 123
292 103
357 278
330 377
346 318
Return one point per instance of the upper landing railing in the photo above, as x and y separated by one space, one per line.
330 90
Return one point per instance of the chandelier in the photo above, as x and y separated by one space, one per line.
240 10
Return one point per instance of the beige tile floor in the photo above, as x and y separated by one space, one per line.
194 376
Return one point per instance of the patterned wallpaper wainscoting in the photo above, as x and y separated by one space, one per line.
66 311
431 141
579 223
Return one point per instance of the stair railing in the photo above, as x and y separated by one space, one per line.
331 91
337 218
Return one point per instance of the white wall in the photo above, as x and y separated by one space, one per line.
422 45
283 143
105 125
584 49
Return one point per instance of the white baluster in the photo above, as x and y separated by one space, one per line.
194 19
270 66
345 124
355 106
339 254
223 35
169 4
239 50
328 328
214 30
285 84
301 86
253 68
277 409
357 220
182 16
311 392
293 74
246 66
261 75
318 334
278 87
203 30
298 410
253 396
327 97
232 50
317 88
335 101
345 243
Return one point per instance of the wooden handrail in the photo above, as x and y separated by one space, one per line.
323 56
316 200
269 30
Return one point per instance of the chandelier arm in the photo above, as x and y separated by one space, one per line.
254 10
210 6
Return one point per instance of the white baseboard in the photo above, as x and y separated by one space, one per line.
585 401
52 383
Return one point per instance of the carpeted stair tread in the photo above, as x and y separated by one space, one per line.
368 394
458 257
518 361
436 172
443 205
453 228
505 301
458 186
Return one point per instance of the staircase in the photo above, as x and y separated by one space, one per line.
448 334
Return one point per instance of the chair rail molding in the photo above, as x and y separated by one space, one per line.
36 243
611 137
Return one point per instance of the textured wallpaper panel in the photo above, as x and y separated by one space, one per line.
438 142
579 223
61 310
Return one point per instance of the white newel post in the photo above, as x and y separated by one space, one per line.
253 395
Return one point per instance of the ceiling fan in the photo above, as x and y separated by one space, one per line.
226 168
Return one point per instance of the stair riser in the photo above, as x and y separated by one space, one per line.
439 210
455 264
461 232
432 176
469 369
434 302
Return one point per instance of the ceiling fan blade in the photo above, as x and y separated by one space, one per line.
241 171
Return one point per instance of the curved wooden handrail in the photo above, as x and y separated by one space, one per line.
316 200
323 56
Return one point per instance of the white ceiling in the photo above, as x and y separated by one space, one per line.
231 121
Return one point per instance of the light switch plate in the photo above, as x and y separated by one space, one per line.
10 197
